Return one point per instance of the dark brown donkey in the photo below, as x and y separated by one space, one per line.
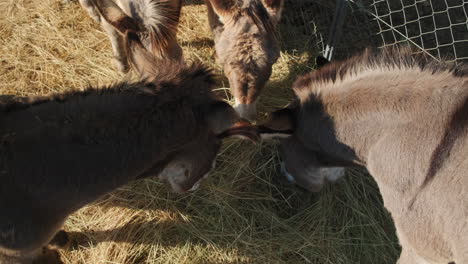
62 152
246 46
403 118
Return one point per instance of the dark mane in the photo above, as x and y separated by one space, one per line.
398 57
257 12
173 82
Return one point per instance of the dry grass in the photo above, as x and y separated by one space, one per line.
244 213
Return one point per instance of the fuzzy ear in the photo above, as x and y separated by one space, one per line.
281 124
225 122
274 8
222 8
116 16
140 58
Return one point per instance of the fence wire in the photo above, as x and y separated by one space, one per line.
305 27
436 27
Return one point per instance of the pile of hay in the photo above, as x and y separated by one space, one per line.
244 213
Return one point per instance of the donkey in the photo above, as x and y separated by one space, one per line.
406 120
246 46
62 152
155 21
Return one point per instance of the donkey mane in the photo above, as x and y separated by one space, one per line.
172 82
393 58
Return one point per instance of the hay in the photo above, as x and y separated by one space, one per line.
244 213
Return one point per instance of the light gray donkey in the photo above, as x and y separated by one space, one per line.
155 22
246 45
62 152
406 120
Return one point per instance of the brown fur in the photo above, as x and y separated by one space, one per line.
154 21
405 119
246 46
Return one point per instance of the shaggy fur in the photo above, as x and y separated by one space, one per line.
406 120
246 46
154 21
61 152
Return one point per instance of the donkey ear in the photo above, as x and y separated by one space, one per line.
225 122
281 124
116 16
274 8
140 59
222 8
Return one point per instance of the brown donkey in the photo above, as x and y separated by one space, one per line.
62 152
155 22
246 46
406 120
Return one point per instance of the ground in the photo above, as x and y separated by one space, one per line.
245 212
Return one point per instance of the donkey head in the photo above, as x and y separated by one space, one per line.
193 162
247 47
156 27
299 165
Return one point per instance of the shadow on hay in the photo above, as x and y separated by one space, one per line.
282 199
323 210
198 43
257 207
193 2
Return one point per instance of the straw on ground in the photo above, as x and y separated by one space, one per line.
245 212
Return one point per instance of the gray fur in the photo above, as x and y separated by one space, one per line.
406 120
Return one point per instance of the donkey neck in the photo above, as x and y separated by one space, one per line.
88 145
351 115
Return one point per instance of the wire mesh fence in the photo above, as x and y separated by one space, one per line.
438 28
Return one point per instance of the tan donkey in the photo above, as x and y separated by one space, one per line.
406 120
155 22
246 46
62 152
